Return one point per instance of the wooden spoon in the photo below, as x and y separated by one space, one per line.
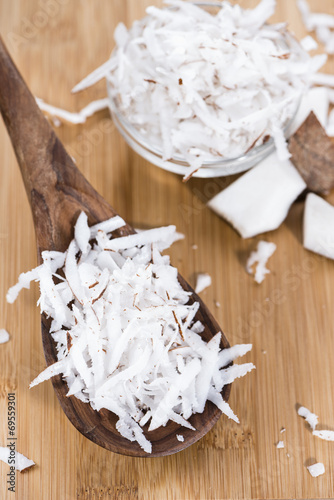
58 192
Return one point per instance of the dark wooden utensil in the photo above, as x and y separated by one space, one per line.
58 192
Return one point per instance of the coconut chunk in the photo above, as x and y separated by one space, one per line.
319 226
16 459
4 336
203 281
260 257
311 418
259 201
313 155
316 469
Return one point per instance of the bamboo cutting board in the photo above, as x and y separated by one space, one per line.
289 318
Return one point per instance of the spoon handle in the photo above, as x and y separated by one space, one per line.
56 189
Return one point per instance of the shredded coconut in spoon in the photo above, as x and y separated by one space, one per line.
126 334
201 87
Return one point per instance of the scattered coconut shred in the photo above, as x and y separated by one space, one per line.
20 462
260 257
321 23
312 420
203 281
316 469
126 337
68 116
203 87
4 336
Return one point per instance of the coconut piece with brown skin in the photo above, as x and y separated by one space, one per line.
313 155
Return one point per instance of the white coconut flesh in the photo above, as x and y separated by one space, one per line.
126 334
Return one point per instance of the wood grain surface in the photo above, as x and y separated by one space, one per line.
289 318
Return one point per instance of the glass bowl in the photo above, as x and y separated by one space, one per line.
210 168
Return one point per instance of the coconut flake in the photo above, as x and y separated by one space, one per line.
20 461
316 100
127 339
230 354
76 118
94 77
260 257
4 336
319 226
259 200
324 434
24 282
313 20
280 444
311 418
323 79
321 23
316 469
203 281
180 438
82 233
49 372
308 43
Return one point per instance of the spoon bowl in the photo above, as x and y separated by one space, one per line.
58 193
